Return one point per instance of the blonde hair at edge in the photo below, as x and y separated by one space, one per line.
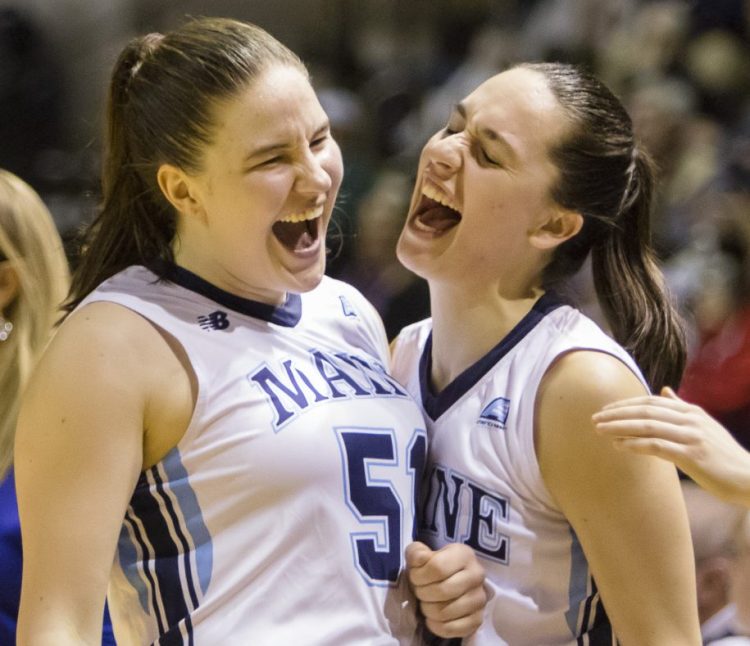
30 242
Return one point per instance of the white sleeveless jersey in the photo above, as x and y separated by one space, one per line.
282 515
483 486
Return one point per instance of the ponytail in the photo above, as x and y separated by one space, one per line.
604 176
630 286
134 226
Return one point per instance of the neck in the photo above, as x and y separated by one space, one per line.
467 325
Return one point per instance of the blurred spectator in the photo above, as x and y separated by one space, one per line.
713 526
717 376
574 31
718 64
644 45
740 587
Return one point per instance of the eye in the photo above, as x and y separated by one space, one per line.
319 141
270 161
487 159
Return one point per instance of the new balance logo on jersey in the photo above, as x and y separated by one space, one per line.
459 510
217 320
495 413
292 386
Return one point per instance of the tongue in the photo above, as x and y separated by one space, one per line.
296 236
439 217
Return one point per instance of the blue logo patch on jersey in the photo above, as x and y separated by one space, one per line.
495 413
217 320
347 308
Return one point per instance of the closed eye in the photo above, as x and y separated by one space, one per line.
270 161
318 141
484 157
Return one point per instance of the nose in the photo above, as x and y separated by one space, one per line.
312 177
443 155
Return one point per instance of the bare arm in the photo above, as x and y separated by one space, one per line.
627 510
683 433
79 452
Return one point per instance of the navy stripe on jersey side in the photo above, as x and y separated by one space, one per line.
596 629
436 405
166 562
179 635
146 558
601 633
180 535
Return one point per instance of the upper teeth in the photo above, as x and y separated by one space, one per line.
310 214
437 195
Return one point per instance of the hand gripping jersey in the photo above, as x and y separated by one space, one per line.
282 515
484 487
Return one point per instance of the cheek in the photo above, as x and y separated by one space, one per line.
334 166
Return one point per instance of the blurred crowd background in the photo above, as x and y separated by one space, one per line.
388 72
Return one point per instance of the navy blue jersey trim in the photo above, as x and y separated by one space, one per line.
288 314
180 535
147 572
146 508
436 404
596 631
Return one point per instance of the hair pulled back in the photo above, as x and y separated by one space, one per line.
162 96
609 180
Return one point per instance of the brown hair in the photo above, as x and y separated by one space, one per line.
606 177
162 96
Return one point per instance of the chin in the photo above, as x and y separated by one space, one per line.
308 280
410 259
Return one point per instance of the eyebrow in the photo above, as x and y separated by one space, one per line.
279 146
489 134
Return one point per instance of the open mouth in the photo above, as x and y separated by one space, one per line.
435 212
299 231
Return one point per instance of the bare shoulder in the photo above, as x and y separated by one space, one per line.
107 367
576 387
587 380
103 343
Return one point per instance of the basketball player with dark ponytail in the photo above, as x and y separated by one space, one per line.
537 170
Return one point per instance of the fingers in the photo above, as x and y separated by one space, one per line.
417 554
632 401
457 618
449 584
671 394
643 407
667 429
450 567
673 451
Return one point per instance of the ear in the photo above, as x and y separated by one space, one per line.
561 225
8 284
180 190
